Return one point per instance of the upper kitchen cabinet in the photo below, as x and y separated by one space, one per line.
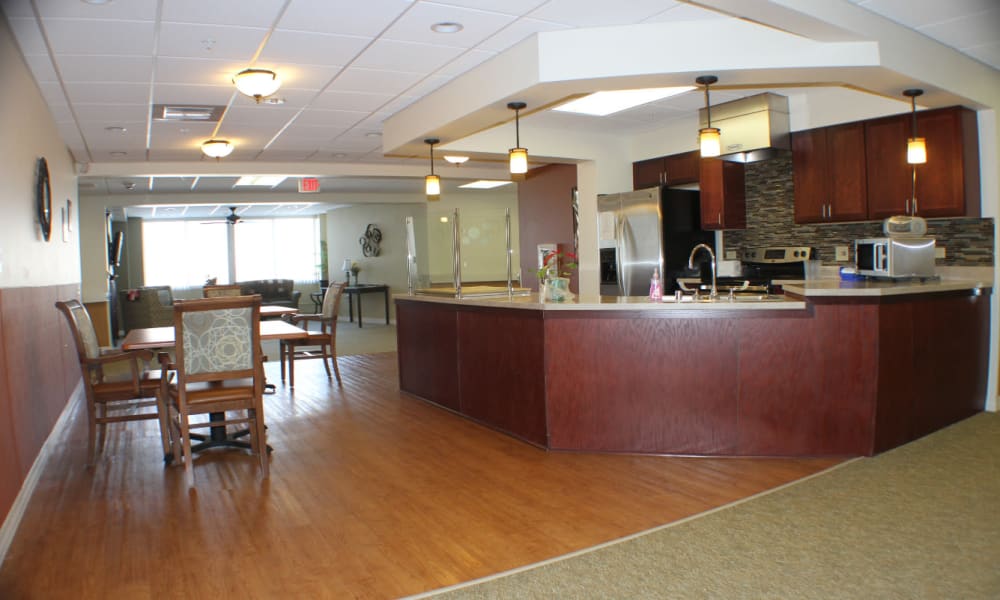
676 169
723 194
947 185
830 174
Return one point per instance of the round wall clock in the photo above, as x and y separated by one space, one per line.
43 198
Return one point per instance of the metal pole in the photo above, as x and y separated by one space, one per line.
408 227
456 250
510 282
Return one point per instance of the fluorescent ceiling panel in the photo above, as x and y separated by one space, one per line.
260 180
484 184
601 104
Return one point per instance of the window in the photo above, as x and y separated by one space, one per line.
185 253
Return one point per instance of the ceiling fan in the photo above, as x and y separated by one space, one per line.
232 218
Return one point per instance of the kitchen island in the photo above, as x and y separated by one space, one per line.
830 369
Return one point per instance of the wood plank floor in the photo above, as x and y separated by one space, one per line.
373 494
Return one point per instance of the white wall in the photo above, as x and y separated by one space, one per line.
27 132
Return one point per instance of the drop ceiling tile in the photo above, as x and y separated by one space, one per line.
356 101
209 41
131 69
80 36
399 103
41 68
313 132
468 60
304 47
302 76
246 13
343 16
53 93
179 135
175 155
205 71
60 113
296 143
266 115
411 57
284 155
70 134
330 118
29 37
477 25
968 30
173 93
598 13
685 12
289 97
99 136
509 7
139 10
517 32
131 155
427 85
918 14
14 9
110 113
355 79
119 93
987 53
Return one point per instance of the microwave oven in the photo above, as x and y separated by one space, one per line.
895 257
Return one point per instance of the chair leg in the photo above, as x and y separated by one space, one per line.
91 434
175 434
282 352
326 356
186 446
336 367
291 366
261 435
163 416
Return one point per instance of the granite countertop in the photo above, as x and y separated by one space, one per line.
871 287
614 303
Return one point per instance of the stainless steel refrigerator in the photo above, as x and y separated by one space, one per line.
647 229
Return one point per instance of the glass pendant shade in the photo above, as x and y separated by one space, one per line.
257 83
518 163
432 187
916 151
217 148
709 142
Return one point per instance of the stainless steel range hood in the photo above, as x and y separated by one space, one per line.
753 128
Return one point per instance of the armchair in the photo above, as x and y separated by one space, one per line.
318 344
146 307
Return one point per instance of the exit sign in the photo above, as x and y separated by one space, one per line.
308 185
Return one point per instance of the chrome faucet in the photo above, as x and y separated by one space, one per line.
715 292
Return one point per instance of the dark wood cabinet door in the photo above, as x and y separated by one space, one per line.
941 188
809 175
681 169
723 194
889 177
647 173
847 184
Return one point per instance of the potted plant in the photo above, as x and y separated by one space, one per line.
553 276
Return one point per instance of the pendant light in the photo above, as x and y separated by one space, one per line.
518 155
217 148
708 137
432 183
916 147
257 83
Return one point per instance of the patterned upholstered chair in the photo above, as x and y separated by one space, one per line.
219 371
151 306
319 344
116 383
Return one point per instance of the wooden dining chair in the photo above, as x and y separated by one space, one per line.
117 384
219 371
318 344
218 291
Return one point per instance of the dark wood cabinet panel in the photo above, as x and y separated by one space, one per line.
723 194
682 169
432 371
829 174
946 186
647 173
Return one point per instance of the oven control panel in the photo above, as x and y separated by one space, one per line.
778 254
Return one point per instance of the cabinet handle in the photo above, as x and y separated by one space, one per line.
914 206
829 211
907 210
720 217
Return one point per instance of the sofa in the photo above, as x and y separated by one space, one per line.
275 292
151 306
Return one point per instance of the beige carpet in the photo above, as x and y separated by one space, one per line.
920 521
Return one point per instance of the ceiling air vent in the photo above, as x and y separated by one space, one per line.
180 112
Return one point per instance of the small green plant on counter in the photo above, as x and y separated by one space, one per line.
557 264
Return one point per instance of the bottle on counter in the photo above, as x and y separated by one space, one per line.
655 289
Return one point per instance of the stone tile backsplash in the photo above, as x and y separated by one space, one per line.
771 222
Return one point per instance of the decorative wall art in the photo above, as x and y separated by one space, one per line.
43 197
370 240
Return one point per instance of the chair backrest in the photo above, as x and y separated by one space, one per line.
218 338
84 334
218 291
331 301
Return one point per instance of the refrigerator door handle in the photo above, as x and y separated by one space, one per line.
620 251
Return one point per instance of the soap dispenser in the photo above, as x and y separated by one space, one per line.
655 289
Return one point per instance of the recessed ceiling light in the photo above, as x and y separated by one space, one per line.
455 160
260 180
273 100
340 155
601 104
373 134
115 129
97 2
118 154
447 27
484 184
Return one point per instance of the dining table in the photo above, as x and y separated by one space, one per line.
163 338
